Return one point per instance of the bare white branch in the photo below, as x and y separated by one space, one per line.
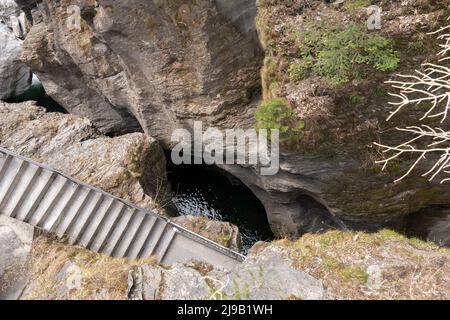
428 88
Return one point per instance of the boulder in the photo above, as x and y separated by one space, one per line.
223 233
15 76
131 167
155 64
270 274
160 66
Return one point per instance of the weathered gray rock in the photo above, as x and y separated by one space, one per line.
15 244
7 9
270 275
12 16
160 65
144 283
131 167
68 88
15 76
181 283
223 233
157 64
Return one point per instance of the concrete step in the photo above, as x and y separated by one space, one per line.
86 216
145 229
100 241
79 226
95 225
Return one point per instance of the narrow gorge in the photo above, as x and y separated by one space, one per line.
112 80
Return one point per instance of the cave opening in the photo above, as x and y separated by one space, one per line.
37 93
205 190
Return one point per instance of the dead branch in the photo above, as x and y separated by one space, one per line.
429 88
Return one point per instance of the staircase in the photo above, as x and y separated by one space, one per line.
86 216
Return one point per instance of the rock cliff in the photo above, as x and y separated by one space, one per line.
335 265
130 166
157 65
15 76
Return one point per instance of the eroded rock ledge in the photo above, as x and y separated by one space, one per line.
15 76
335 265
157 65
130 166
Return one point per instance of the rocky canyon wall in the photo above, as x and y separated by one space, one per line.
155 65
158 65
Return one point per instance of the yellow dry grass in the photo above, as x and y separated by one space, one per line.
94 275
409 268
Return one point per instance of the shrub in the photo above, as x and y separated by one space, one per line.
355 273
339 52
278 114
358 101
299 71
353 5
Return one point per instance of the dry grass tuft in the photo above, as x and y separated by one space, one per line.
383 265
91 276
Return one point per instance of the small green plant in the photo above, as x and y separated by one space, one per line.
339 52
353 5
331 263
299 71
358 101
278 114
417 47
381 92
355 273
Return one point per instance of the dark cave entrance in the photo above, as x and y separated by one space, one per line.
37 93
203 190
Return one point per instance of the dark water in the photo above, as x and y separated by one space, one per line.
37 93
201 190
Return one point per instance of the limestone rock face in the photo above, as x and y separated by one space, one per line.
15 76
156 64
130 166
334 164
